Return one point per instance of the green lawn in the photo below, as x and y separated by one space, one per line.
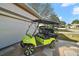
67 35
62 30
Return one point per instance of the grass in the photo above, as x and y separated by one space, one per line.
62 30
75 28
69 36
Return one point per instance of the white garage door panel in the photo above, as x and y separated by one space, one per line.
11 30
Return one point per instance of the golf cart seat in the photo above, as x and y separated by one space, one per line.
46 36
47 32
43 36
53 35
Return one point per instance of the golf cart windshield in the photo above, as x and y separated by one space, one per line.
34 27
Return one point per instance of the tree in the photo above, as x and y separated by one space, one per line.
55 18
62 22
45 10
75 21
42 8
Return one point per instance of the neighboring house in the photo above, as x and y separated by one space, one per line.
74 26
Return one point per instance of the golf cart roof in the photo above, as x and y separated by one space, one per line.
45 21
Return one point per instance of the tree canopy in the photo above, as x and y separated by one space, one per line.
75 21
55 18
44 9
62 22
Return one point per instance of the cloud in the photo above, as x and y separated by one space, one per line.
75 10
67 4
60 18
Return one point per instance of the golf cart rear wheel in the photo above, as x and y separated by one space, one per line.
29 50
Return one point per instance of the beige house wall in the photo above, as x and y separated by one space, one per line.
75 26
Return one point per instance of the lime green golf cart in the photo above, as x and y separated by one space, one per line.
44 36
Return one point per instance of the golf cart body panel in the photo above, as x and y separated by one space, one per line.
48 41
31 40
43 40
28 39
40 40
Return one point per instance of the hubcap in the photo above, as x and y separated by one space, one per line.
29 50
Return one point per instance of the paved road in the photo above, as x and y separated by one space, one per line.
16 50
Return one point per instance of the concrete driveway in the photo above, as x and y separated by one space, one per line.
16 50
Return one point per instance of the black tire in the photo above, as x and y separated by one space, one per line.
52 45
29 50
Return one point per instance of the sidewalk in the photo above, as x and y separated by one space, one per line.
69 51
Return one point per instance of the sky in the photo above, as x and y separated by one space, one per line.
66 11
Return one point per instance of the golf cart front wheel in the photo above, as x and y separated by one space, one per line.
29 50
